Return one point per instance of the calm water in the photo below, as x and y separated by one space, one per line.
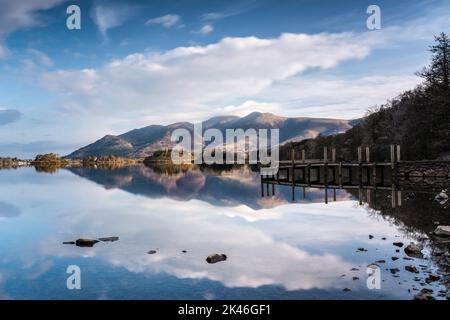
277 248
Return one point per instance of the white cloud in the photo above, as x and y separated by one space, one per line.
111 16
336 97
15 15
206 29
168 20
193 82
41 57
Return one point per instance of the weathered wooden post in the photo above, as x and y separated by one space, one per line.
360 165
398 153
293 172
392 156
262 186
367 154
333 155
308 174
325 166
303 156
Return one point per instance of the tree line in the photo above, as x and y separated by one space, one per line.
418 120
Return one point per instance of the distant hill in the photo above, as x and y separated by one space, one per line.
143 142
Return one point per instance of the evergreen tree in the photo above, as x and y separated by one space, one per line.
438 72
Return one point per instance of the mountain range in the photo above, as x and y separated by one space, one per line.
139 143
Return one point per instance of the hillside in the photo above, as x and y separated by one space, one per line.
143 142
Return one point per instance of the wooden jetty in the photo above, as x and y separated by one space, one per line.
331 175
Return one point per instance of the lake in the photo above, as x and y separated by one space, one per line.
276 247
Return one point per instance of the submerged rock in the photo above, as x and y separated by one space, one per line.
85 242
398 244
214 258
432 278
425 294
152 252
442 197
347 290
414 250
442 231
394 270
109 239
412 269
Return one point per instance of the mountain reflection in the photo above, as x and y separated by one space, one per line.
231 187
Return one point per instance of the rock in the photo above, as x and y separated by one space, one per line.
214 258
398 244
414 250
347 290
407 258
355 278
362 250
442 231
69 242
442 197
184 251
394 258
380 261
394 270
354 269
152 252
85 242
423 296
383 238
109 239
412 269
370 236
397 250
410 196
432 278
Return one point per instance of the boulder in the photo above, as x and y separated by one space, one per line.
85 242
442 231
424 296
414 250
412 269
214 258
442 197
432 278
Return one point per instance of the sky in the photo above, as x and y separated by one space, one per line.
136 63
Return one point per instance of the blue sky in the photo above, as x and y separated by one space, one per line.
135 63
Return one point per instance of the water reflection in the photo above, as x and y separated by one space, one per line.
276 248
